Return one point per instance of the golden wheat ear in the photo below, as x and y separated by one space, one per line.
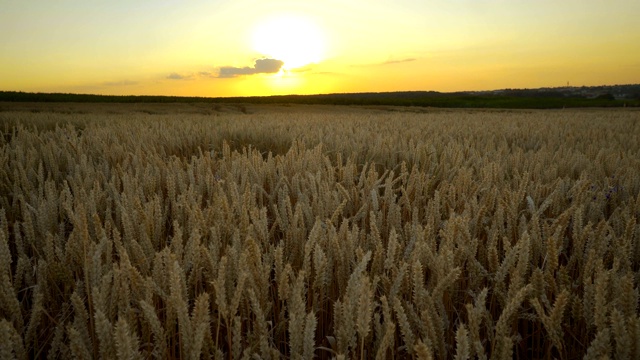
354 234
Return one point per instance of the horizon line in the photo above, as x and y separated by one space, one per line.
321 94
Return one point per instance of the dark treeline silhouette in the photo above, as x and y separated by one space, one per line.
608 96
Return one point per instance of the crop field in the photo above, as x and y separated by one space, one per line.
344 233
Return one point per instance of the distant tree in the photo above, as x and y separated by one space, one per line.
607 96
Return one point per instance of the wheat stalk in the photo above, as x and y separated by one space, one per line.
340 234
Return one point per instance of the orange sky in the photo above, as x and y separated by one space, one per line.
238 48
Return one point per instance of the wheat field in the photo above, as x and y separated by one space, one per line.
355 235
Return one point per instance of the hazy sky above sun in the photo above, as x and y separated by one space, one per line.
244 47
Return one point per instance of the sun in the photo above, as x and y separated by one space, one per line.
292 38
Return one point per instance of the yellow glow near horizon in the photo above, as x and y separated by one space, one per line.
294 39
180 47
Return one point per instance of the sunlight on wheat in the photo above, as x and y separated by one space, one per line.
388 235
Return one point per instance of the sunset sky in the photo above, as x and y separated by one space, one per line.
244 47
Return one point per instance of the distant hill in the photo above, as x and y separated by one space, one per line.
591 96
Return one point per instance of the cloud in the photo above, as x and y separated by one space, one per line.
388 62
262 66
120 83
398 61
176 76
190 75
